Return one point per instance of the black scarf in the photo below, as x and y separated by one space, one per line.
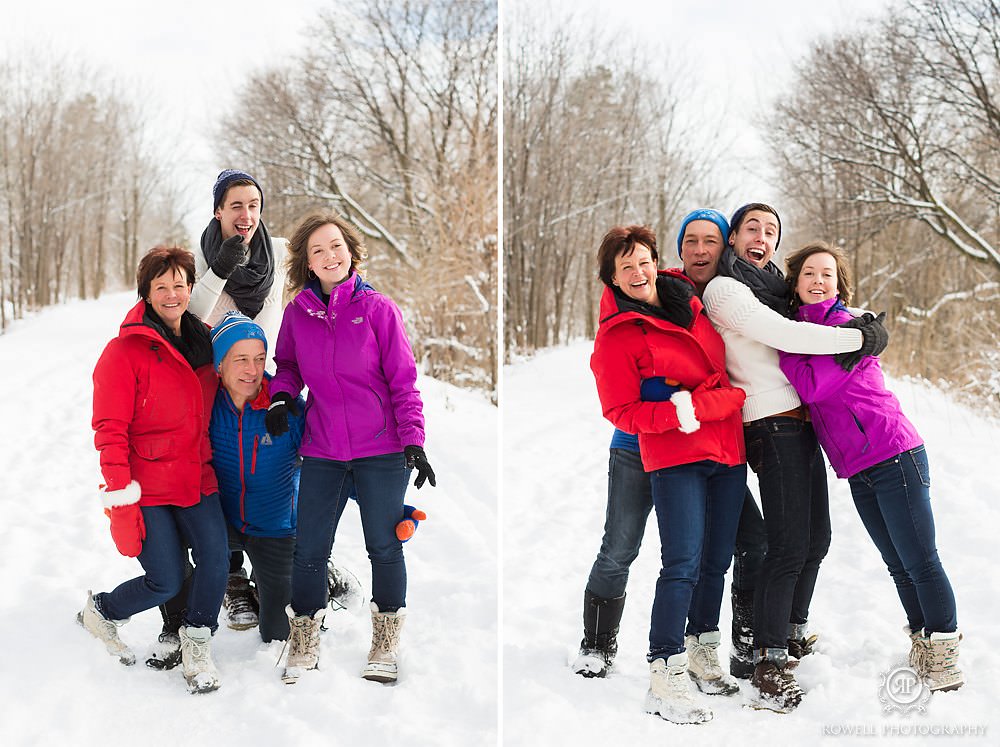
194 343
249 285
768 284
675 301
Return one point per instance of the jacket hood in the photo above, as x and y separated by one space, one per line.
312 294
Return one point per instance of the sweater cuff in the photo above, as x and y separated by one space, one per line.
685 411
124 497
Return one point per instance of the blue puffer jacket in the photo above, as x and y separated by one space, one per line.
258 473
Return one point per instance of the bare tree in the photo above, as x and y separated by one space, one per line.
889 144
390 116
586 145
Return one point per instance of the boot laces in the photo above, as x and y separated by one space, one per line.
385 633
707 659
195 651
304 637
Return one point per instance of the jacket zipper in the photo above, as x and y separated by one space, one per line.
243 485
253 459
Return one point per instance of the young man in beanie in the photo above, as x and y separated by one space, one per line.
748 303
238 267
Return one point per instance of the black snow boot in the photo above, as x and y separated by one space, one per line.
741 657
166 652
600 634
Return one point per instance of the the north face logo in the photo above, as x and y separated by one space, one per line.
357 320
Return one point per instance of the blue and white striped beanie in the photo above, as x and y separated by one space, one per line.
233 328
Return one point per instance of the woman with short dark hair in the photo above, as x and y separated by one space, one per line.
691 444
153 390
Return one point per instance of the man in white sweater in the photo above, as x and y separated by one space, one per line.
237 264
746 299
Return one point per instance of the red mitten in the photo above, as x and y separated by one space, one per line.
717 404
411 517
127 527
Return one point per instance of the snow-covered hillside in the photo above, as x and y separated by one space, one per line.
555 455
59 687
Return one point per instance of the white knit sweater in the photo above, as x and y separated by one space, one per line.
210 302
754 334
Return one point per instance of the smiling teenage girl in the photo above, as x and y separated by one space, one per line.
364 431
871 443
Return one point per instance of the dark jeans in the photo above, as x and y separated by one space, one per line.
792 478
894 501
697 512
751 545
163 558
630 500
324 488
271 558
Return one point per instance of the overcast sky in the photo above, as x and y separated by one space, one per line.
194 56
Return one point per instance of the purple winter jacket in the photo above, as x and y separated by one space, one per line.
857 420
356 360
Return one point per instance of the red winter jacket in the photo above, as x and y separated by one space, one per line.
633 346
151 414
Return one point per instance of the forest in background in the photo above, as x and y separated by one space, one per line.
887 142
389 116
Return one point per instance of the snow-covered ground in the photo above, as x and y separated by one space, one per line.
555 453
59 687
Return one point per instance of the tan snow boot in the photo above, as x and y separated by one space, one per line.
381 666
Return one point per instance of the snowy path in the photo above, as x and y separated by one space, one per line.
59 687
555 445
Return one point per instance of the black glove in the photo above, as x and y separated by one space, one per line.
233 252
874 336
276 420
417 459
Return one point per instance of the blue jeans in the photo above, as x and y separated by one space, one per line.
271 558
324 488
894 501
791 474
697 512
629 502
164 558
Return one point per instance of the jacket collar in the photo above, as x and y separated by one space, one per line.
818 312
611 312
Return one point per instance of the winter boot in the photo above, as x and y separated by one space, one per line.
166 652
303 637
777 689
799 644
105 630
601 618
196 659
917 658
238 602
669 695
703 665
343 587
741 655
942 672
381 666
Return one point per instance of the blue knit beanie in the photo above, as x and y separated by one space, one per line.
703 214
233 328
227 177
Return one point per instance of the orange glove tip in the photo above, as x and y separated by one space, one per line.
405 530
418 514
